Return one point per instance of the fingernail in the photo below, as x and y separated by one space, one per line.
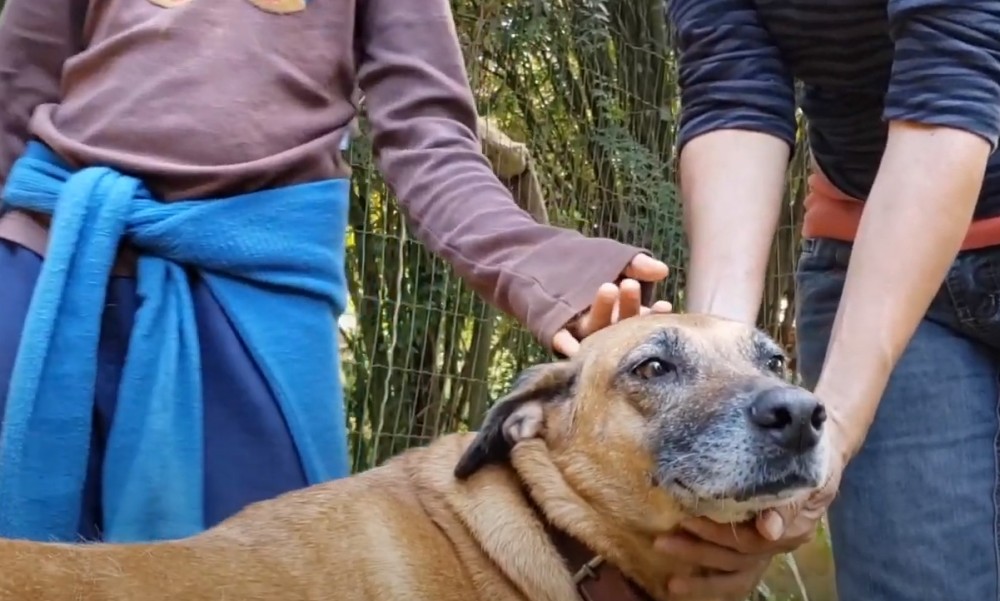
663 544
774 526
678 587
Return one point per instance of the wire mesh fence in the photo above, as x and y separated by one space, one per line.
580 102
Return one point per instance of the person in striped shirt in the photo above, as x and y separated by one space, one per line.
898 283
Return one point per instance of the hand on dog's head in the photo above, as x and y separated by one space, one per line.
691 406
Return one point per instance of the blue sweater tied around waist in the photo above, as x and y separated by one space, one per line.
274 261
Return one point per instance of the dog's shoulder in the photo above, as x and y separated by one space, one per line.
490 521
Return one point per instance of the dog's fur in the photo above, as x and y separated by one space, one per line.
613 451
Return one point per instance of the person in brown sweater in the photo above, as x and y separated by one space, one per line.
177 164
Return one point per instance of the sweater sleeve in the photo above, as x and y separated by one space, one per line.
732 76
36 38
423 121
946 66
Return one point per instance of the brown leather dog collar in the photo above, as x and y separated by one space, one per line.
595 578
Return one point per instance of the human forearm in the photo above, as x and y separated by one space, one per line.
736 130
941 104
916 216
423 127
732 183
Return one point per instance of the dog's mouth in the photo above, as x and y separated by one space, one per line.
773 488
738 501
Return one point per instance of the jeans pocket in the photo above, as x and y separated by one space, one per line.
821 255
971 292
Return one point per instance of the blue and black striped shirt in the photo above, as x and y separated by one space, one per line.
860 63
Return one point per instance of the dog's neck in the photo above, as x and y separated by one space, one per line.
595 578
629 551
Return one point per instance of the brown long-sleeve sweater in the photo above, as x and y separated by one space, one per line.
210 98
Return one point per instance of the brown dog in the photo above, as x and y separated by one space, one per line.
558 498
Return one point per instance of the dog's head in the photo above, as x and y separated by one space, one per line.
687 410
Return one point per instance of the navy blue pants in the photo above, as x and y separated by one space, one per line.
249 453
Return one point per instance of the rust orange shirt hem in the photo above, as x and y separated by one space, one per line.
829 213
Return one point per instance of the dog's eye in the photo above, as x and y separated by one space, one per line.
654 368
776 364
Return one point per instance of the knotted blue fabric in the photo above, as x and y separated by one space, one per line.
275 262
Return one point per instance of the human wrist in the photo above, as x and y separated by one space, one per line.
717 290
850 387
850 409
845 437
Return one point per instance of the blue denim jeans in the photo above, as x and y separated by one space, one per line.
916 517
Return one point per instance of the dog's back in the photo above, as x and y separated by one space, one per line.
384 534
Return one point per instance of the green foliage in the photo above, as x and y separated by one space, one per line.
591 87
590 90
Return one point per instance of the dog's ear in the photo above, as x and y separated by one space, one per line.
518 416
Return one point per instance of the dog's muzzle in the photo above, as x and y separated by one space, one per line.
764 446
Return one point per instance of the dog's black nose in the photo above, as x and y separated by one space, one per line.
791 417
